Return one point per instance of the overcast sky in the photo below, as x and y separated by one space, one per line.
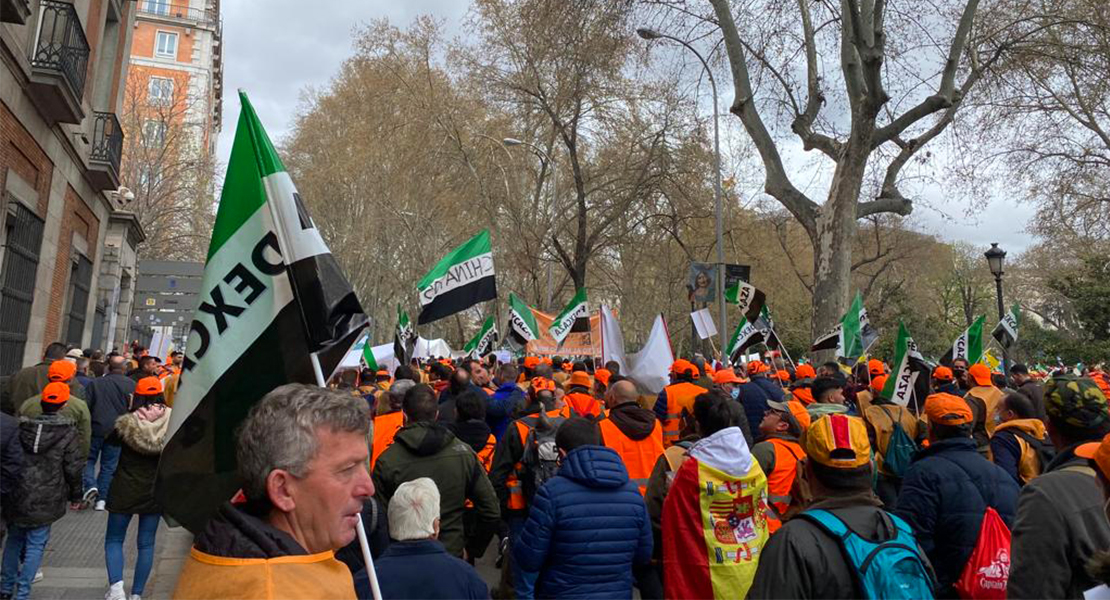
274 49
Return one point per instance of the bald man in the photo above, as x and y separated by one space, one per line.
632 431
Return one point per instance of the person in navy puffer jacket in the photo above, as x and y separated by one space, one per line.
588 525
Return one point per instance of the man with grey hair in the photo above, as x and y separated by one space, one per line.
416 565
302 457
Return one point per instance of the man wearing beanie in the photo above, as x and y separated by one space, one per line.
1060 520
75 409
805 558
52 462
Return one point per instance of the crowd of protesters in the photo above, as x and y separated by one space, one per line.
763 481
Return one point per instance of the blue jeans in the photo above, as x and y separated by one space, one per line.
28 543
113 548
109 458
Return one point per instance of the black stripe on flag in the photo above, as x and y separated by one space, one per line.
458 299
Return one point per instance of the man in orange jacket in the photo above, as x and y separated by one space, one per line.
632 431
387 425
780 453
578 402
677 400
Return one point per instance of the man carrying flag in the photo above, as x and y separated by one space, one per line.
275 308
574 318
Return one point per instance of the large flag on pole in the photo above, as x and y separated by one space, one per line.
1006 332
271 295
462 279
856 333
907 367
368 356
482 343
750 300
969 346
575 317
522 321
404 339
746 335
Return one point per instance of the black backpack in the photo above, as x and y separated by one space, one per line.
541 457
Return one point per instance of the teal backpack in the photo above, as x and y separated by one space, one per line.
899 448
890 569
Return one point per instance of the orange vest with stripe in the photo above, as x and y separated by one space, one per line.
516 492
485 455
385 428
680 396
639 457
781 479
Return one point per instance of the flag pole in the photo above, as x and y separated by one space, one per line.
375 591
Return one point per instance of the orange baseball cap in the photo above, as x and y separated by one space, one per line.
756 367
947 409
148 386
875 367
682 366
980 373
798 415
580 378
878 383
61 370
1099 452
546 361
531 362
838 441
943 373
56 392
543 383
805 371
726 376
603 376
802 394
783 375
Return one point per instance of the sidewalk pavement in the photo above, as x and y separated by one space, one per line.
73 566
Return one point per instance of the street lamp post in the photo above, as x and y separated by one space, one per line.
650 34
554 198
994 260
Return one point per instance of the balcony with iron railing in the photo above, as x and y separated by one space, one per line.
106 151
177 11
59 63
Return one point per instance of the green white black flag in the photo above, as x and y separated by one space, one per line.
907 367
750 300
1006 332
271 295
404 339
522 321
368 355
969 346
746 335
462 279
575 317
482 343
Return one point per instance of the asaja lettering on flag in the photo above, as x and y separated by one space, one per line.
271 295
575 317
522 321
1006 332
750 300
482 343
908 366
462 279
969 345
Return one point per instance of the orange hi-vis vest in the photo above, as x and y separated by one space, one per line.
584 405
680 397
485 455
516 492
385 428
780 480
639 456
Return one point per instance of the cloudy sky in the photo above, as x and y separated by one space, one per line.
274 49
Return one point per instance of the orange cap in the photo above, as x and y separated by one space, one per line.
56 392
878 383
1100 452
980 374
805 371
546 361
803 395
682 366
580 378
603 376
946 409
875 367
838 441
796 410
756 367
531 362
61 370
943 373
783 375
148 386
726 376
543 383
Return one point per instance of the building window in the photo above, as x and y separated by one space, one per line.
160 91
156 7
149 177
80 280
154 133
17 282
165 44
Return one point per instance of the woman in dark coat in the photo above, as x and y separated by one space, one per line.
140 434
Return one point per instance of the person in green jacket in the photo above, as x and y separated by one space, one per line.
424 448
75 409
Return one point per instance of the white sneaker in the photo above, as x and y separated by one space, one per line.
115 592
38 576
100 504
91 494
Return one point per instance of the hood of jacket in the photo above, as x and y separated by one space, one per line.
39 434
423 438
1034 427
582 405
235 533
473 433
595 467
727 451
635 422
145 437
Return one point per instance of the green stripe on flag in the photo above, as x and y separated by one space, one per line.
475 246
368 355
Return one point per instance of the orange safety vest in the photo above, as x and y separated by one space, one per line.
639 457
485 455
567 412
385 428
781 479
584 405
680 397
516 492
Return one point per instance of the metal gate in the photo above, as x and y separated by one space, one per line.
80 280
17 284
